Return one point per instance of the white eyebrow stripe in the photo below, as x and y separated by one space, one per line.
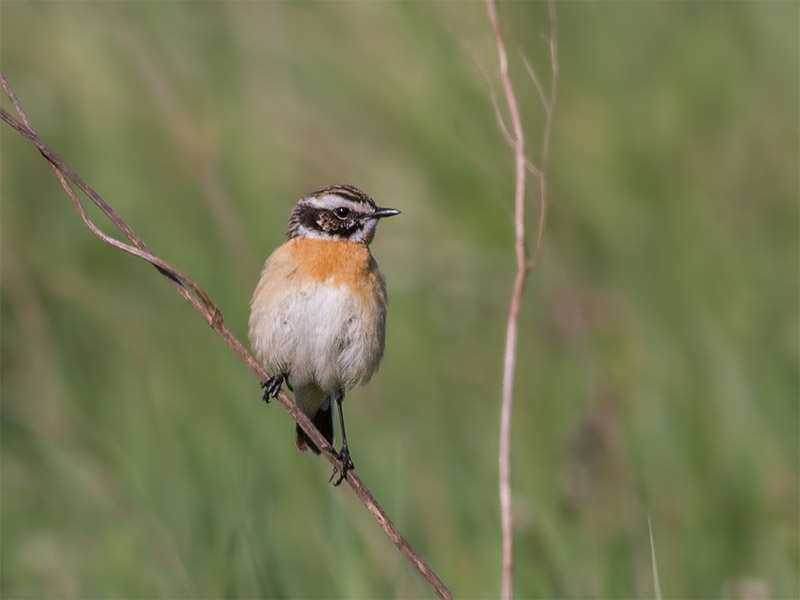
331 201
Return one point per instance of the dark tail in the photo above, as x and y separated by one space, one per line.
323 421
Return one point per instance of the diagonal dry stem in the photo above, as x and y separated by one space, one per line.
194 295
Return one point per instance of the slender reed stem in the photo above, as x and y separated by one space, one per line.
524 265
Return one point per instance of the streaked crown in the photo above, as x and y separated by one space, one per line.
337 212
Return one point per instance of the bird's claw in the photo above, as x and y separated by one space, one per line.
272 386
347 466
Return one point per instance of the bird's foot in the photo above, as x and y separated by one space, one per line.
272 386
347 465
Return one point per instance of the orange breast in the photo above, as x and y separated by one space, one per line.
337 263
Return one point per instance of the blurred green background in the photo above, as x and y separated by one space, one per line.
658 353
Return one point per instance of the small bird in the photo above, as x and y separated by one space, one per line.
318 314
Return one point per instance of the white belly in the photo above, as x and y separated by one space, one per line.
322 334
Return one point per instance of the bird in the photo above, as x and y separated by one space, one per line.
318 314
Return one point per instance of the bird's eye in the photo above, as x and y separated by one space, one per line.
342 212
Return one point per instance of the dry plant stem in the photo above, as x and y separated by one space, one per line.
509 359
200 301
549 107
517 140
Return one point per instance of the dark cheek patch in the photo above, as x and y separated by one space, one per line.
327 222
324 221
347 228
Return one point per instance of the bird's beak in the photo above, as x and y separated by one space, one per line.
384 212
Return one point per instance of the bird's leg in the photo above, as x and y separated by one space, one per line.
272 385
344 454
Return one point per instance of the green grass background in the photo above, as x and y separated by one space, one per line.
658 352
